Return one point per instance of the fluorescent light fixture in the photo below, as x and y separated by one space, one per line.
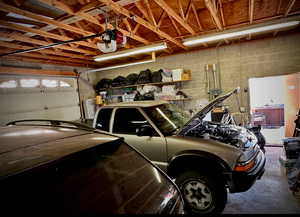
122 65
235 34
131 52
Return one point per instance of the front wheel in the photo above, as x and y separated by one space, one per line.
202 192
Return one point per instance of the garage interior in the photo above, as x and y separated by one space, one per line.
54 53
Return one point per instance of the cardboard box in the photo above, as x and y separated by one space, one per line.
186 75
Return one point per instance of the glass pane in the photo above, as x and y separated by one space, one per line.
49 83
29 82
103 119
8 84
127 120
64 84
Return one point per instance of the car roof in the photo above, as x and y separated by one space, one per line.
146 103
25 147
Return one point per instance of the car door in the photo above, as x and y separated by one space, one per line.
125 123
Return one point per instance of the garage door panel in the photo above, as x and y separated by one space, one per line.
60 98
13 103
63 113
40 103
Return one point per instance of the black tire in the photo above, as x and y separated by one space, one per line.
190 182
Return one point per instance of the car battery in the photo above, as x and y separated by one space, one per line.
292 147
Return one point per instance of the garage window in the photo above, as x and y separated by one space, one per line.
49 83
8 84
64 84
29 82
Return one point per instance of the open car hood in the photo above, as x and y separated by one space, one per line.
201 114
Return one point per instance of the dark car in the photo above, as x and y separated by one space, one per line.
62 168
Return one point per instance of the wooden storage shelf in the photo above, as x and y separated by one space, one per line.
135 85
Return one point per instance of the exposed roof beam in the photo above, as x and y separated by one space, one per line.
45 61
43 33
51 57
24 21
278 7
212 8
141 8
26 71
222 13
161 18
289 7
138 19
173 14
127 25
46 51
91 18
8 8
180 8
188 10
150 13
251 10
19 37
175 26
197 17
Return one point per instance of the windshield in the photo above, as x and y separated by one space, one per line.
167 117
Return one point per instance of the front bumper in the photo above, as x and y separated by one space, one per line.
242 181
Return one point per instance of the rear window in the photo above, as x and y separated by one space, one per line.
103 119
111 178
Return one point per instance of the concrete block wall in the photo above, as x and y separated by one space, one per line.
238 62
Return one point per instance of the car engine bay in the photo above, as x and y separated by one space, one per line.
234 135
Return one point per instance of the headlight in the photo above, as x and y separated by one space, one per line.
243 166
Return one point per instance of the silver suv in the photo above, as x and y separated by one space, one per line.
205 158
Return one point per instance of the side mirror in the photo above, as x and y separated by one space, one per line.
145 130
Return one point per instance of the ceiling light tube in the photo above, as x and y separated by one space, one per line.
124 65
235 34
131 52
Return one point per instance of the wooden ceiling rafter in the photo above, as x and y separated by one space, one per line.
44 61
251 11
26 71
8 8
43 33
142 9
161 18
50 57
222 13
19 37
212 8
180 8
197 16
289 7
278 7
174 25
44 51
171 12
150 13
188 10
143 22
91 18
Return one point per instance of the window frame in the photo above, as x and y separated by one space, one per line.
112 121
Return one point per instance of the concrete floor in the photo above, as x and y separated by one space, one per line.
269 195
